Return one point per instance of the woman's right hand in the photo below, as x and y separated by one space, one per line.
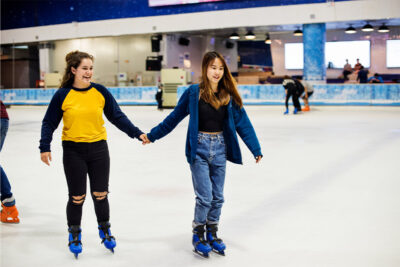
144 139
46 157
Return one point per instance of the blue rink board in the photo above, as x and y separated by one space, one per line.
326 94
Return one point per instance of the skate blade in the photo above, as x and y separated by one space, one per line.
204 255
221 253
76 255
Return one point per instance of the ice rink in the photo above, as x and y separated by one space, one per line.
327 193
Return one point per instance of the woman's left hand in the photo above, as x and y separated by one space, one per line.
258 159
144 139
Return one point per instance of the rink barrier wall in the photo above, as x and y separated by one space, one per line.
324 94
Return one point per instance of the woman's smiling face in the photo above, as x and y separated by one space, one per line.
215 71
83 74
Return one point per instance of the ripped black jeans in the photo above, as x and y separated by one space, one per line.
81 160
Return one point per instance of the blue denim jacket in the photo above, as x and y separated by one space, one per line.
237 121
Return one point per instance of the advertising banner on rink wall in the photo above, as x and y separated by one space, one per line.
271 94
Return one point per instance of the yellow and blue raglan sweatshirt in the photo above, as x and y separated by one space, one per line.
82 114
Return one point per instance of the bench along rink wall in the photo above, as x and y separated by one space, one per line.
324 94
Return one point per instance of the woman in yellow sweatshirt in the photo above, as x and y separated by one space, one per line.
80 104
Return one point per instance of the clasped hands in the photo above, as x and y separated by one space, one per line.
144 139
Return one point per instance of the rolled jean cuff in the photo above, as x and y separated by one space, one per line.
9 202
195 224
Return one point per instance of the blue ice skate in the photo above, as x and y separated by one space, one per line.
286 112
217 245
201 247
295 111
75 244
105 234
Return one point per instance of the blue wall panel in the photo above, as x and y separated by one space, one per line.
324 94
144 95
314 52
394 92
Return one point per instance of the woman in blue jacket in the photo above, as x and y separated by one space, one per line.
216 114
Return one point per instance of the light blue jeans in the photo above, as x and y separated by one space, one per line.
208 175
5 184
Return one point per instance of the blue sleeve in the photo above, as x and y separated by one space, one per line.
52 119
116 116
245 130
169 123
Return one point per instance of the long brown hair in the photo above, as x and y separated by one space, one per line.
73 59
226 86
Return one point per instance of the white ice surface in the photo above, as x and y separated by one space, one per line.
327 193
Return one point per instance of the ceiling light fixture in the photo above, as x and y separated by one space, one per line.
250 35
383 28
367 28
298 32
267 39
234 36
350 30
